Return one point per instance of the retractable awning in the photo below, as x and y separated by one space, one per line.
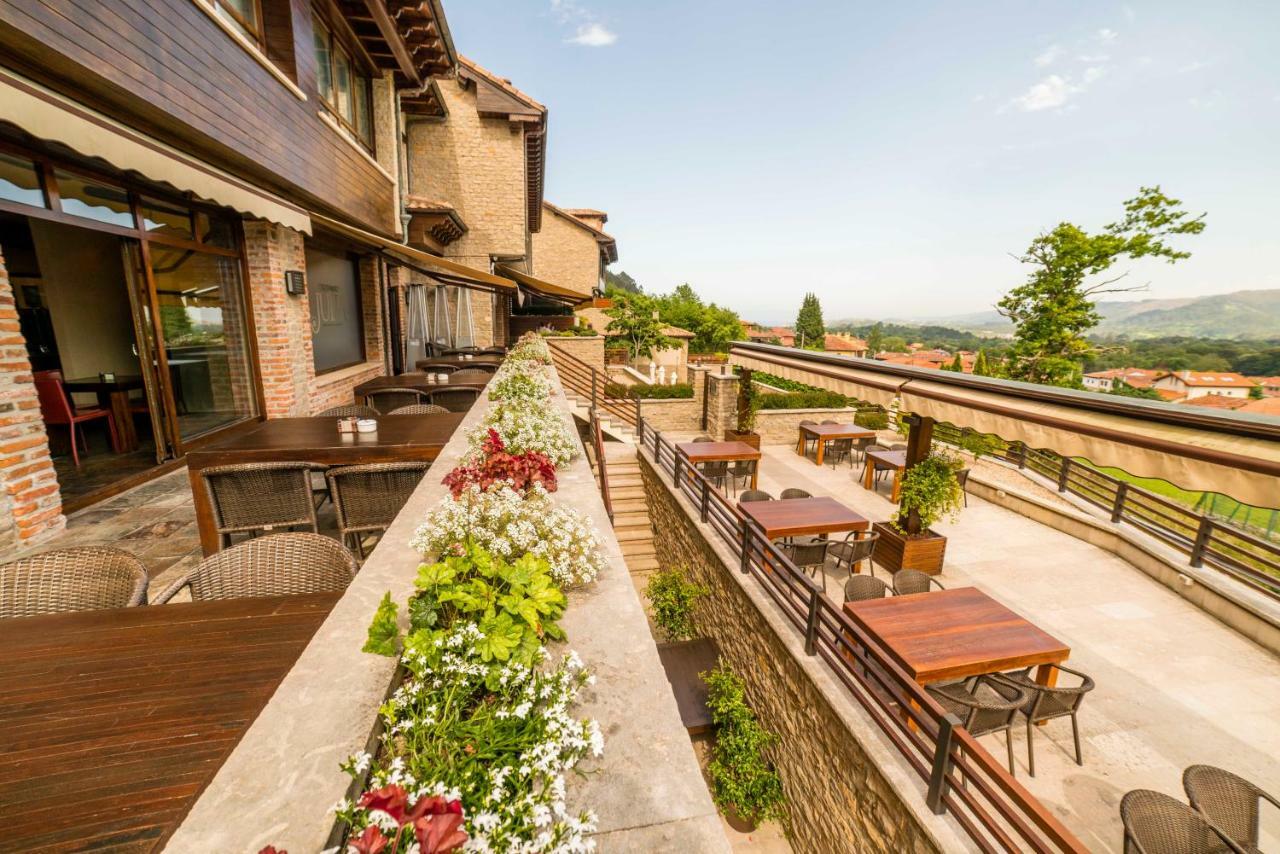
47 115
447 271
1230 453
547 290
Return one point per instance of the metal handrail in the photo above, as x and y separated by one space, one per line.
602 465
963 779
591 382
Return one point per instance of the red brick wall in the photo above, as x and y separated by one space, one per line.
30 504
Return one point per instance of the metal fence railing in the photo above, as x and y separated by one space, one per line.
589 382
1205 540
962 778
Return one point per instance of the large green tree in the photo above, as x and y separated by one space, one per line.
875 338
713 326
1054 310
634 319
810 331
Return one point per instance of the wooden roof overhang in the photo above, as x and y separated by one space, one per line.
409 37
544 289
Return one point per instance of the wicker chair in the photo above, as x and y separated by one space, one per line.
260 497
347 410
898 447
914 581
807 438
420 409
860 587
742 470
702 440
471 375
856 547
1058 701
442 368
1229 801
386 399
454 399
809 555
754 495
962 478
492 351
84 578
795 493
716 471
367 498
1155 823
279 565
985 705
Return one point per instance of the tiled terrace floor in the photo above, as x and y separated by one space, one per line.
1175 686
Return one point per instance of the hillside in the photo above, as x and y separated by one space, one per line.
1242 314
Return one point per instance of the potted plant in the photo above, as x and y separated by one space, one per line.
748 406
744 784
929 492
673 598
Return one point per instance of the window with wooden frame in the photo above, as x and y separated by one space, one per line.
244 15
343 84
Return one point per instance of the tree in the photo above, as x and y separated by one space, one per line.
810 331
634 319
895 344
1255 392
1123 389
620 281
875 338
980 366
1054 310
713 326
957 365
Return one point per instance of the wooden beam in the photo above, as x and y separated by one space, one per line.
391 35
919 444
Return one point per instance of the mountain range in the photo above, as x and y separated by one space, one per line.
1242 314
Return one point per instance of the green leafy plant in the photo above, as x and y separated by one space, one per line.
748 402
930 490
647 391
384 631
872 419
634 321
817 399
979 444
673 598
742 778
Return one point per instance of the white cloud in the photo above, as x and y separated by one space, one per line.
1093 72
1192 67
1107 35
1048 57
1051 92
593 35
1093 58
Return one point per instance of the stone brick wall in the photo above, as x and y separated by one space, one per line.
589 350
566 254
30 503
722 403
782 426
846 789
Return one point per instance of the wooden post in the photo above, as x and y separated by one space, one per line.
919 444
744 383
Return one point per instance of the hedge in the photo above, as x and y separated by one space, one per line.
872 419
804 400
644 391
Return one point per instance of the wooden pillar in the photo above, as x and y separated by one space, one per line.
919 444
744 384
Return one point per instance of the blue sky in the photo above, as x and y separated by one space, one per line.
890 156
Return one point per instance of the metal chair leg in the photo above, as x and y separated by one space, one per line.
1075 735
1031 747
1008 740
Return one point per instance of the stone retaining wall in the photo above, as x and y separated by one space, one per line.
583 348
782 426
847 787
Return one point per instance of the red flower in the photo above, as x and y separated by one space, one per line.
440 833
435 822
271 849
371 841
520 471
392 800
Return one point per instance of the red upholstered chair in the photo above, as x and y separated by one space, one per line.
57 408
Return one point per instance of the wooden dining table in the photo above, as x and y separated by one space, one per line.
895 461
824 433
399 438
698 453
418 382
113 722
798 517
113 395
956 633
457 362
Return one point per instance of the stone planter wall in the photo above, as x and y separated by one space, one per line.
782 426
582 348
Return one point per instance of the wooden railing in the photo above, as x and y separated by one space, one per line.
962 778
1206 541
589 382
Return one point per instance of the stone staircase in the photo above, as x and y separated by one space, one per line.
631 524
580 406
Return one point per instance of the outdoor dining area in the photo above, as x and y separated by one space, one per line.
1022 639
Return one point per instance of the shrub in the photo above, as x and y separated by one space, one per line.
930 488
673 598
872 419
742 779
804 400
646 391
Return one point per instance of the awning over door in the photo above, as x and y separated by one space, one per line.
547 290
47 115
1234 454
449 272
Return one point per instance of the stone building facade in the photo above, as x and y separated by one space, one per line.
573 250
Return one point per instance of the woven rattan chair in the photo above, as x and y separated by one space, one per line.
716 471
702 440
984 705
856 547
279 565
454 399
810 556
914 581
470 375
260 498
420 409
860 587
792 492
347 410
742 470
1048 702
754 495
898 447
367 498
1228 800
441 369
457 351
807 438
83 578
1155 823
386 399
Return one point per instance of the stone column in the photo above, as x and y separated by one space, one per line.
722 404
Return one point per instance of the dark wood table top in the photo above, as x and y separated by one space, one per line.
113 722
795 517
698 452
122 382
955 633
837 431
417 381
888 459
458 361
316 439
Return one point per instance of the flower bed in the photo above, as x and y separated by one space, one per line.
483 716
